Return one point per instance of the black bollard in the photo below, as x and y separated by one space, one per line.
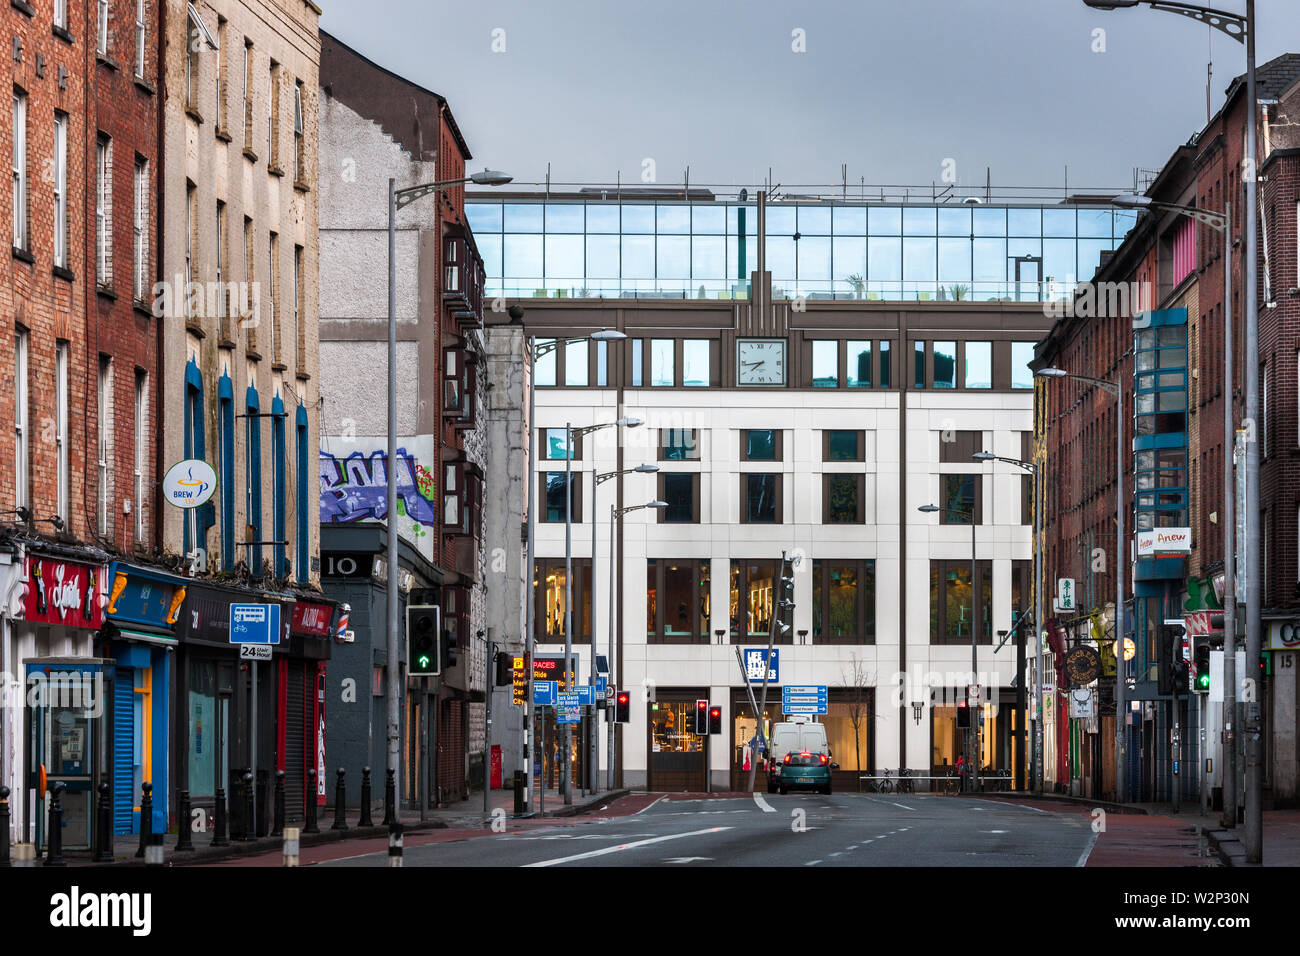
311 826
54 840
236 806
104 826
250 807
219 820
184 839
390 801
279 804
4 826
340 796
365 820
146 816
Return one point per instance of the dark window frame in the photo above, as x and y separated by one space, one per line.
738 568
978 489
865 632
663 446
582 583
861 441
744 497
859 481
778 444
543 514
938 600
662 482
959 450
544 445
700 569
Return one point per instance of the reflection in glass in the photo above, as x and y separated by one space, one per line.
679 493
708 257
780 220
840 586
523 217
919 261
918 364
695 362
661 362
674 219
814 220
842 499
760 444
1095 223
1022 353
544 365
638 257
918 221
638 219
1024 222
555 505
884 221
489 247
979 365
602 218
553 449
825 364
958 496
945 364
483 217
954 265
522 257
674 260
1058 223
814 263
638 362
602 364
564 217
708 220
575 363
760 498
849 266
859 370
780 258
849 220
842 446
989 221
602 257
681 444
954 222
884 259
885 367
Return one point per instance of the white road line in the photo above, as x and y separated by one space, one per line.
763 804
836 853
624 846
913 809
812 862
648 806
1087 850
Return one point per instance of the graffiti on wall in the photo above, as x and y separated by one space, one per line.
354 486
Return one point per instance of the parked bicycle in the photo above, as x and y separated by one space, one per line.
905 782
884 784
950 785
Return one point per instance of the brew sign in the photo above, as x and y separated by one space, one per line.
189 483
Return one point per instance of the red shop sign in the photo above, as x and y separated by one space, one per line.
63 592
312 619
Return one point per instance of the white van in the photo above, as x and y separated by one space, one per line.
797 736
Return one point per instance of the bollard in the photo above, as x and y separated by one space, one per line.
54 841
365 820
153 854
24 854
104 826
279 804
146 816
236 806
311 803
340 796
219 820
4 826
184 839
250 807
520 797
291 846
395 845
390 801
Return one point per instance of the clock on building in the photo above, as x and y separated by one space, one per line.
760 361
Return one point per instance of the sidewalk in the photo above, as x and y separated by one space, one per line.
1281 840
457 815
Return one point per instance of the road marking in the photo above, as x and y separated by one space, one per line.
994 831
836 853
1087 850
763 804
812 862
686 859
625 846
913 809
648 806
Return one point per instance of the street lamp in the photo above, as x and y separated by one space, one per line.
972 739
1242 29
615 513
1032 468
399 199
534 352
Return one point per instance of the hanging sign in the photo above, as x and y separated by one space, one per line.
189 483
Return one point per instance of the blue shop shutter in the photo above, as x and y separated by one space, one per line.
123 733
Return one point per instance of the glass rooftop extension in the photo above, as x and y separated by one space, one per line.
579 247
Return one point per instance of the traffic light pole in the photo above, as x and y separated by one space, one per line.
489 688
613 723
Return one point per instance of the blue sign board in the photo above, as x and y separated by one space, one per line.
602 686
806 699
586 695
140 596
754 664
543 693
254 624
568 715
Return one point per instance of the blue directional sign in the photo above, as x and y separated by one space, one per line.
806 699
568 715
254 624
602 685
544 693
754 664
568 700
586 695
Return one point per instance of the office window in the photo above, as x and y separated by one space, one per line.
575 363
61 190
679 444
696 370
843 499
140 231
752 598
885 368
299 153
141 452
842 445
661 362
553 445
104 392
602 364
248 95
945 364
101 27
844 602
760 444
957 447
859 370
304 469
826 364
960 493
554 492
682 492
677 601
918 365
760 499
637 360
21 453
950 602
19 198
1022 353
104 212
61 428
549 578
545 364
979 365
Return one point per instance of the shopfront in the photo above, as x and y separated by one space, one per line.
996 725
849 726
300 707
678 757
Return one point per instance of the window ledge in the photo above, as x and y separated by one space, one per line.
253 354
224 135
194 114
145 85
226 344
24 255
302 376
22 7
301 186
60 272
106 291
194 328
106 60
63 33
250 155
275 170
143 308
279 367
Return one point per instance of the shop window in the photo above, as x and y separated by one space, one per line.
549 578
670 727
677 601
950 602
844 602
848 722
753 586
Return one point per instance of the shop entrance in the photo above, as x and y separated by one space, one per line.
676 756
948 742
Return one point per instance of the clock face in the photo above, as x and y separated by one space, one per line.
760 361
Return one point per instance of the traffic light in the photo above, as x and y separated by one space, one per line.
622 701
715 720
963 715
1202 684
505 672
701 725
447 650
422 630
1171 670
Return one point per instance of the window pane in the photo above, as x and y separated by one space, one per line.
708 257
1058 223
884 221
842 446
550 590
859 365
677 599
555 505
674 260
675 219
954 222
602 257
544 366
1025 222
554 447
954 264
814 220
1022 353
708 220
522 257
760 497
919 261
602 218
760 444
651 598
826 373
945 364
979 365
849 266
483 217
815 263
957 598
885 368
661 362
564 217
884 259
638 219
679 493
849 220
918 364
695 362
841 602
575 363
758 599
637 363
989 221
958 495
602 364
523 217
780 220
680 444
842 499
638 257
1095 223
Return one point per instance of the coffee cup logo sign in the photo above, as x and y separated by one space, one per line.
61 592
189 483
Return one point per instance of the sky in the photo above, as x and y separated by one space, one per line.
901 91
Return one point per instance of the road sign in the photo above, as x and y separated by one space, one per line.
568 715
754 664
804 699
609 693
254 624
254 652
544 693
586 695
602 685
973 692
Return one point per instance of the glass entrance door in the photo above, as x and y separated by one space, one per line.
65 728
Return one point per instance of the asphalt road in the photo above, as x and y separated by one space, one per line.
794 830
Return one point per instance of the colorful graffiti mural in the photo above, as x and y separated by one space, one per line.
355 487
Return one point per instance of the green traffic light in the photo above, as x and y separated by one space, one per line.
1203 681
424 660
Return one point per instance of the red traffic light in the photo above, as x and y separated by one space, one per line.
701 704
622 698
